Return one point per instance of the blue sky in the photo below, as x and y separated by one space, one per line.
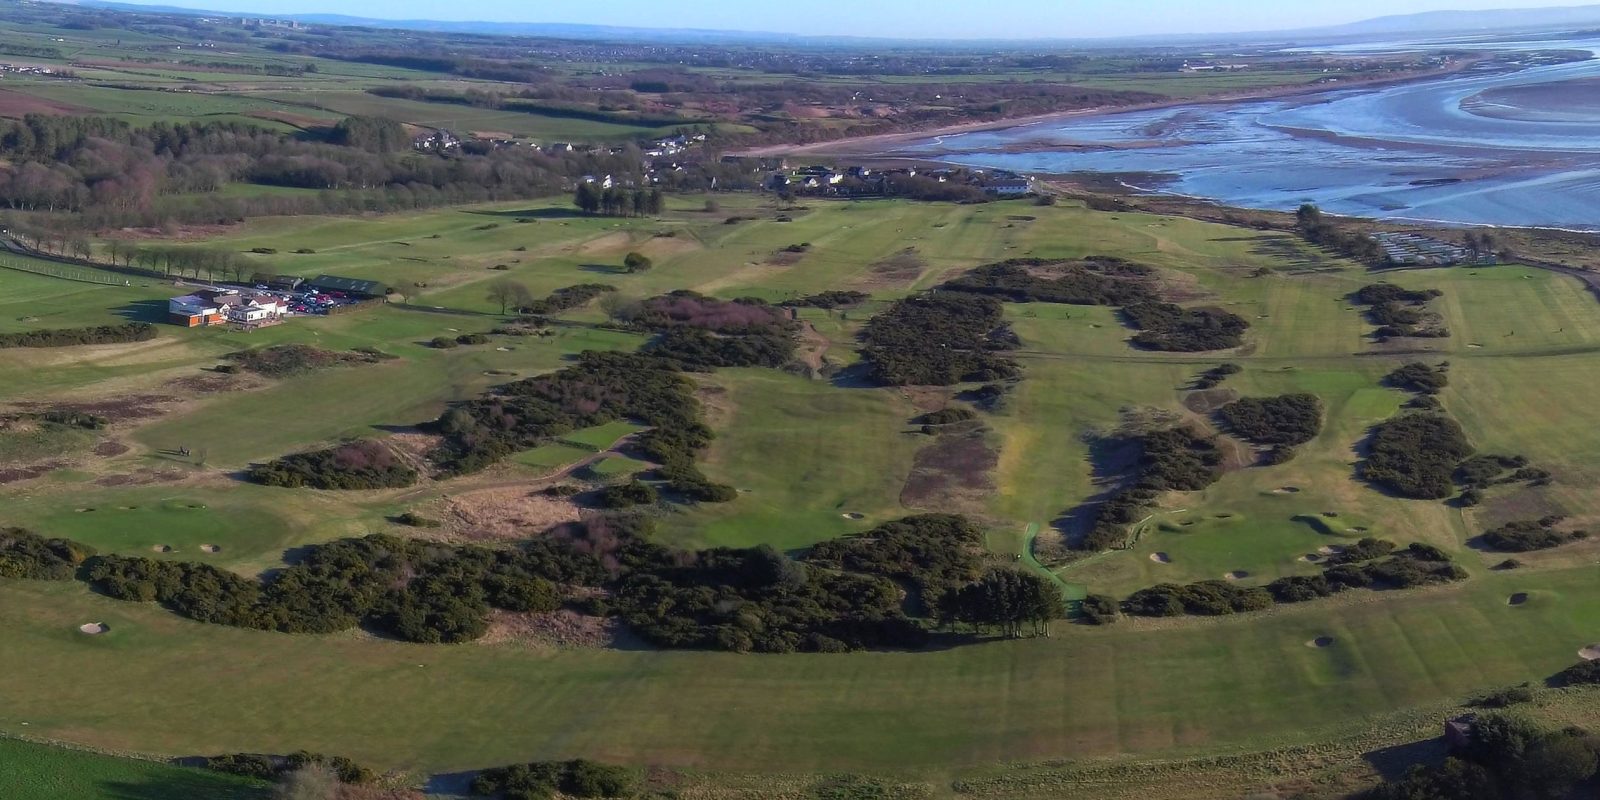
897 18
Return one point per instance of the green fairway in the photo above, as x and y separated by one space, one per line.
36 770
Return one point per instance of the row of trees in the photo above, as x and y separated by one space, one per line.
213 263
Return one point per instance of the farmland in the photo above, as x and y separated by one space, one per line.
814 455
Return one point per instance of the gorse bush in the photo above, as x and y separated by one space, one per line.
70 337
1174 459
355 465
542 779
1096 281
939 339
1419 377
1166 326
1528 535
274 767
415 591
1416 455
28 556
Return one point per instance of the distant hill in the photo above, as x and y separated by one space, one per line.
1426 23
1470 21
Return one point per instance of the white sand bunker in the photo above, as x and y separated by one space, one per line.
93 628
1330 549
1161 558
1236 575
1320 642
209 548
1286 490
1517 599
1590 653
853 515
162 548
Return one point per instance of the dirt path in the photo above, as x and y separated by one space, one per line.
813 347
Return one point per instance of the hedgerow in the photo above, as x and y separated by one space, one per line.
287 360
272 767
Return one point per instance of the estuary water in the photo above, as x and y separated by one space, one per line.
1508 148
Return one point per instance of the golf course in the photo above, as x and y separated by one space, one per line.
1189 705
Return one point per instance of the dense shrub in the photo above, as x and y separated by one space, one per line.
444 343
1284 421
73 419
939 339
1419 377
1483 471
946 416
542 779
568 298
1096 281
1371 567
1165 326
687 308
1503 698
701 350
1583 673
356 465
412 519
28 556
273 767
1528 535
934 552
1098 609
69 337
472 338
1416 455
1401 312
627 495
831 299
287 360
599 388
1212 378
1206 598
416 591
1174 459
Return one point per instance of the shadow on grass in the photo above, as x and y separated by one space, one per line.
182 786
1393 762
144 311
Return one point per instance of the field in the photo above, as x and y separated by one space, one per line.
813 459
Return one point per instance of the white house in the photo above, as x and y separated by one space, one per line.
256 308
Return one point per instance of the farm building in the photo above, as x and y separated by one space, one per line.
351 286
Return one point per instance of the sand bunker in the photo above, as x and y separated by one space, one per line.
1286 490
1517 599
1161 558
93 628
162 548
853 515
1330 549
1310 558
209 548
1236 575
1590 653
1320 642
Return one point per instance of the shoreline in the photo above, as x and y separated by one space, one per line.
879 144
